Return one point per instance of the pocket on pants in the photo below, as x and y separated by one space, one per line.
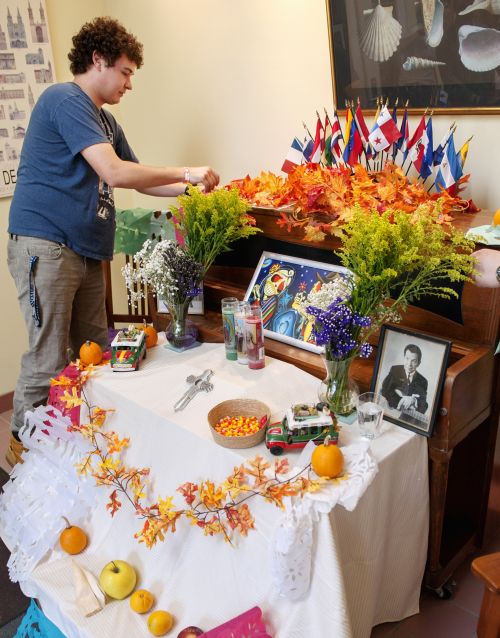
44 248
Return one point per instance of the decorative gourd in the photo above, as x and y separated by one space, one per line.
90 353
151 335
327 459
72 539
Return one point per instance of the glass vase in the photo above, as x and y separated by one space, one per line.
338 390
181 333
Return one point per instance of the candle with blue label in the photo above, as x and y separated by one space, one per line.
229 307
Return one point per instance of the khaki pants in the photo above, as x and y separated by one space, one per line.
69 292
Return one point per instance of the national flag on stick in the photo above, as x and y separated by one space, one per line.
336 136
449 171
307 149
354 146
327 151
439 152
415 138
401 144
463 152
363 129
294 156
385 131
348 122
425 154
318 143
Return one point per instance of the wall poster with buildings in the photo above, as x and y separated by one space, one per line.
26 69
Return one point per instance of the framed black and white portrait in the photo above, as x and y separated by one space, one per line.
409 373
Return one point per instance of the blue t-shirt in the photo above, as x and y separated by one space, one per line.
58 195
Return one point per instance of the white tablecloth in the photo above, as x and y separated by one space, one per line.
367 564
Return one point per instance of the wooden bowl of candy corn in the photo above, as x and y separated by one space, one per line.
239 423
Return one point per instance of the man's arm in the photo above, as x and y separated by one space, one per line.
121 174
486 269
169 190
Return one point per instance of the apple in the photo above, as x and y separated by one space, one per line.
117 579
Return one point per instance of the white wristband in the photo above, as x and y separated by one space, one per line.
187 175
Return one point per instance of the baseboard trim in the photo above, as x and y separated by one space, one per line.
6 402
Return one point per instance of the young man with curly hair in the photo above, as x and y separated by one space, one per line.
62 216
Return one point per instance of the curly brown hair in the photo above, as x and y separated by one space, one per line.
109 38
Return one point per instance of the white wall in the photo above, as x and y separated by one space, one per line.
226 83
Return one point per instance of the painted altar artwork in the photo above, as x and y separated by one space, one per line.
281 285
26 69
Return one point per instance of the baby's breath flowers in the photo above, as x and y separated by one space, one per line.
166 268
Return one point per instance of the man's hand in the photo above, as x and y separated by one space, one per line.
407 402
204 175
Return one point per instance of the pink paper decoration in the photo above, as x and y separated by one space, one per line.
247 625
57 391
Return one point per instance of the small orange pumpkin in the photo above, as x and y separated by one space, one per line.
72 539
327 459
151 335
90 353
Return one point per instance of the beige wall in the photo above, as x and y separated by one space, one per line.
228 83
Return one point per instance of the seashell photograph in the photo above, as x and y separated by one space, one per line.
436 54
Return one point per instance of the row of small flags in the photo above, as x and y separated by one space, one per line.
385 140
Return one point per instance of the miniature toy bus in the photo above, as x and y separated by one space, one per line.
302 423
128 349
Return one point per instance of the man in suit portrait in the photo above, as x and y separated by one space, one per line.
404 387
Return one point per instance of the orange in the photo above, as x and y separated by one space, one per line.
327 460
90 352
496 218
160 622
72 539
141 601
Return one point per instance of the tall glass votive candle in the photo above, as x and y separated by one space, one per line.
255 338
229 307
240 315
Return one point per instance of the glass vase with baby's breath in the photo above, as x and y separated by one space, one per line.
394 258
175 276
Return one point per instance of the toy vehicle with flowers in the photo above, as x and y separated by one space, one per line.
302 423
128 349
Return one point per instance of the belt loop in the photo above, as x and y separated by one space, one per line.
13 236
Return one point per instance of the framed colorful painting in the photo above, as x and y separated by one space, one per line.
282 284
444 55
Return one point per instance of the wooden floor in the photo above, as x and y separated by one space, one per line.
454 618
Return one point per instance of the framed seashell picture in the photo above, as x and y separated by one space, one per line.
438 54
